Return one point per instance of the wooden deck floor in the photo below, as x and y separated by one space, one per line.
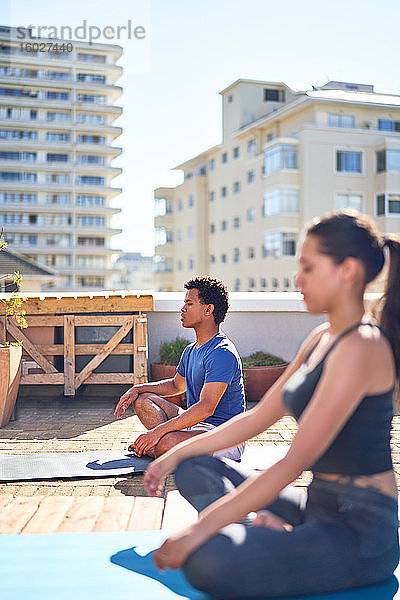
107 504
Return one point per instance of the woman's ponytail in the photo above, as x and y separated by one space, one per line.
390 301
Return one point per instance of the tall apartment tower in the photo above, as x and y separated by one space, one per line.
289 152
56 132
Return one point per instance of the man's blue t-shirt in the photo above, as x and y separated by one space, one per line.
215 361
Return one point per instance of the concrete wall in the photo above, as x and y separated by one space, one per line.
272 322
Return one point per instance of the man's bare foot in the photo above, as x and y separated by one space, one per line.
265 518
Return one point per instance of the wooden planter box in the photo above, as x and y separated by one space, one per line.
257 380
10 373
159 372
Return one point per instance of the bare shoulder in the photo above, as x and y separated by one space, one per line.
367 348
313 338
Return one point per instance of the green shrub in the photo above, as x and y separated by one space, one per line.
170 352
262 359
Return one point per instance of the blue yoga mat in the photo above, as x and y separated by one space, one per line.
110 566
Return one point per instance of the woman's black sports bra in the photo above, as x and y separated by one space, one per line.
362 447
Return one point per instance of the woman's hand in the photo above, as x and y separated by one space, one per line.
157 471
176 549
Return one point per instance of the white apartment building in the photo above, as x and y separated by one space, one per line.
133 271
57 110
289 152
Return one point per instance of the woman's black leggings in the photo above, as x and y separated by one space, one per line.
343 536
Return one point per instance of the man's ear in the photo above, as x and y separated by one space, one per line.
210 309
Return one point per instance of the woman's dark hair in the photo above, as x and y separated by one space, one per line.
211 291
349 233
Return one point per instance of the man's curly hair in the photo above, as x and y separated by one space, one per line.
211 291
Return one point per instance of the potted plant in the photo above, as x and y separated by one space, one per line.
170 353
261 370
10 353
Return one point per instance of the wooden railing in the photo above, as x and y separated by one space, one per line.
52 312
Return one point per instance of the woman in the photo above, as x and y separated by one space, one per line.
343 532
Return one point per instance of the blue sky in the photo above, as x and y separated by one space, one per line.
194 49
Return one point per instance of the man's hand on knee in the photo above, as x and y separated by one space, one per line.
145 442
126 400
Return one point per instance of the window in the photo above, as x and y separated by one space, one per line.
348 162
251 214
89 180
251 176
90 78
394 204
93 119
17 176
57 178
212 228
91 221
387 160
57 137
388 204
58 199
57 95
58 116
7 155
90 281
191 201
236 222
236 255
211 196
280 244
340 121
17 197
224 258
179 235
388 125
252 284
274 282
51 157
224 157
380 205
224 225
212 164
90 159
263 283
271 95
162 206
98 58
237 285
18 134
230 98
180 205
212 258
91 139
251 145
348 201
190 232
91 241
224 191
282 156
270 137
180 265
286 282
251 253
236 187
91 98
236 152
281 200
191 264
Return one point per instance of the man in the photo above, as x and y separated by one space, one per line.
209 370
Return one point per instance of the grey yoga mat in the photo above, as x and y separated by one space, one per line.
65 465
